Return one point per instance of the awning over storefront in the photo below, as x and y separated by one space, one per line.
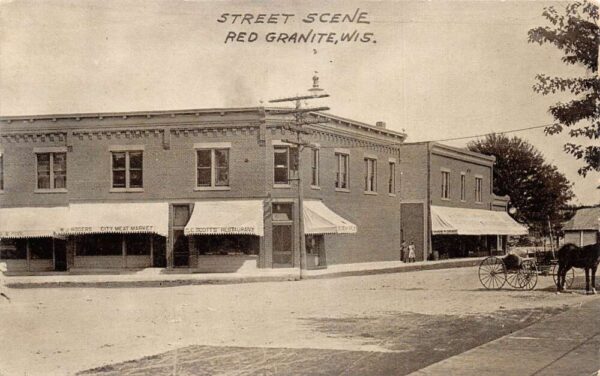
234 217
31 222
124 218
319 219
461 221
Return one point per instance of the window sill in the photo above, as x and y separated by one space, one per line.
126 190
370 193
478 202
282 186
392 194
342 190
315 187
197 189
463 200
59 190
445 199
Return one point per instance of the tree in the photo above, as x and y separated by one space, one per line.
577 34
537 189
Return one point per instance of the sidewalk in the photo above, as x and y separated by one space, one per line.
565 344
157 277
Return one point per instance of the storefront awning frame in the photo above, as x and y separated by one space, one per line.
465 221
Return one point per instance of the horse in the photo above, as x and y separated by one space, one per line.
572 256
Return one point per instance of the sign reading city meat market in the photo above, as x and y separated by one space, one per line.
341 27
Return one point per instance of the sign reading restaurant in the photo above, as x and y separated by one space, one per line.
221 230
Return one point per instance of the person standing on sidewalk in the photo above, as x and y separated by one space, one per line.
402 250
411 252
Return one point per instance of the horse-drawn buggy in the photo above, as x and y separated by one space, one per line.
518 272
522 272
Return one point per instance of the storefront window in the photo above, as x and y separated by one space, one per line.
99 245
227 244
13 249
41 248
138 244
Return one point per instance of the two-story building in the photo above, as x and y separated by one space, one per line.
210 189
448 207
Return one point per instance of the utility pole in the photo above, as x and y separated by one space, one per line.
298 111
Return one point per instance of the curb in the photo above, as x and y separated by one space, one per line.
171 282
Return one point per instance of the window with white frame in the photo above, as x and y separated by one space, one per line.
478 188
342 166
51 170
212 167
392 178
463 183
285 160
445 184
314 181
127 169
370 175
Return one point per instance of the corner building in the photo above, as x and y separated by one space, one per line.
214 190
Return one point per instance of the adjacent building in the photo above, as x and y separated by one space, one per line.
448 208
584 227
212 190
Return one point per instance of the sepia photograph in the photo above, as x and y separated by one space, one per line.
245 187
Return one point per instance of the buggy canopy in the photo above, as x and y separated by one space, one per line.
319 219
226 217
123 218
462 221
31 222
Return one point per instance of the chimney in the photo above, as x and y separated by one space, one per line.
380 124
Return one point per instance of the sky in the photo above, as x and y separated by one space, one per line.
432 69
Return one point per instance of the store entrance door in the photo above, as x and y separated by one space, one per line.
282 246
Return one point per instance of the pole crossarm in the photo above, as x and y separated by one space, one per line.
299 110
297 98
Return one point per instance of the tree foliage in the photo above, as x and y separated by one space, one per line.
576 33
537 189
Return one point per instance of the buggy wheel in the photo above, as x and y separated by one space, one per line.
513 278
528 275
492 273
569 277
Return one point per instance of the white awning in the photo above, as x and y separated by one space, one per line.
461 221
241 217
31 222
123 218
319 219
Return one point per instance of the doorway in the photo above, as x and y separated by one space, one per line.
60 255
181 248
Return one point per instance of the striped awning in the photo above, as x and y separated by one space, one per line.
319 219
226 217
123 218
462 221
31 222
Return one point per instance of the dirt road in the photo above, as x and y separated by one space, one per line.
354 325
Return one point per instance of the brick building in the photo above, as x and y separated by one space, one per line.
212 190
448 207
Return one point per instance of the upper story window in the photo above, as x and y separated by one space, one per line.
285 160
1 172
212 168
463 188
370 175
342 166
478 188
446 184
51 170
392 178
314 181
128 170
